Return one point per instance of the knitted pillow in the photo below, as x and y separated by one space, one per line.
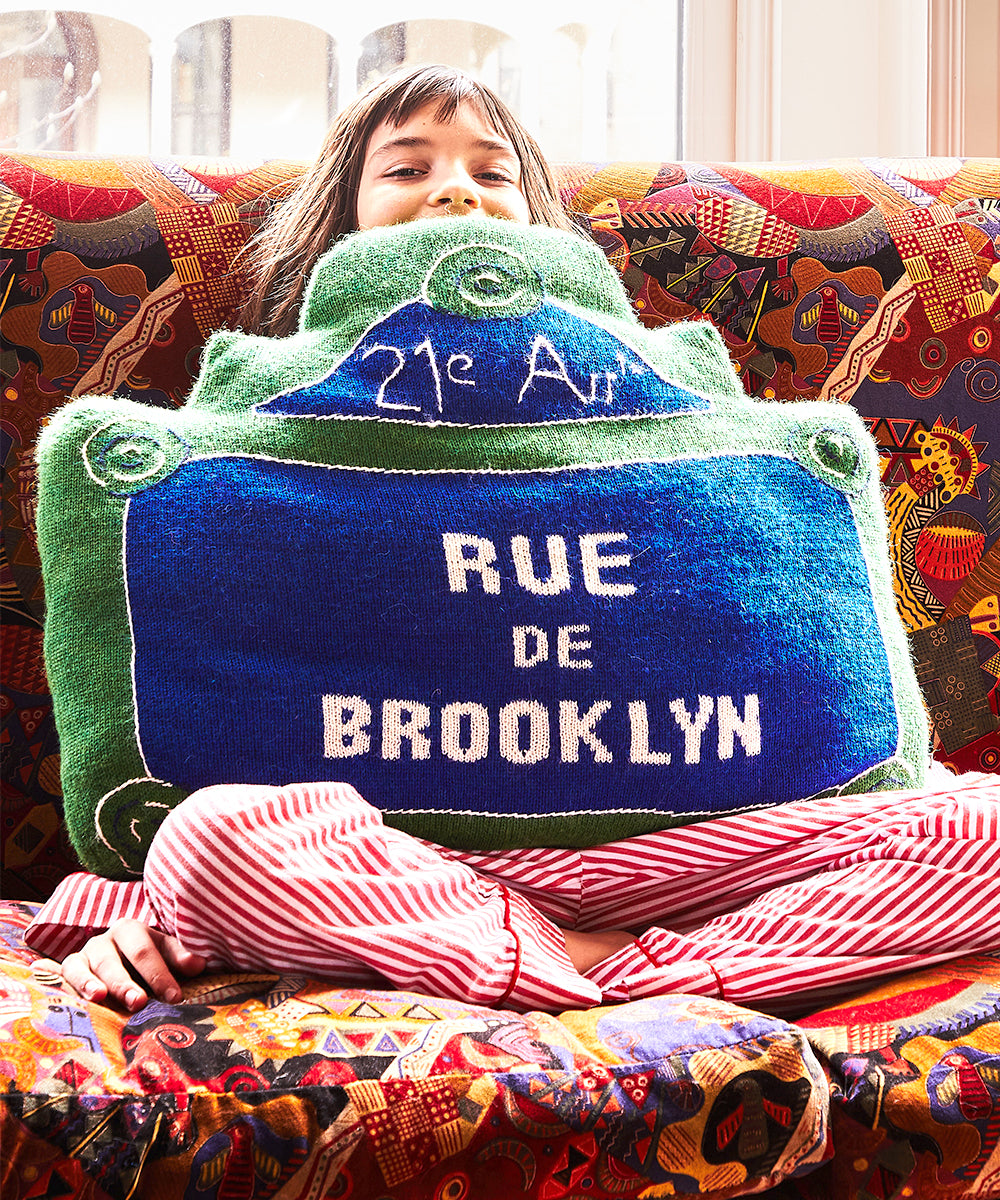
475 541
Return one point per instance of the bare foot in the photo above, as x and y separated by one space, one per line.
588 949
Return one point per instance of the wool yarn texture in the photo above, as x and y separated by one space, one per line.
477 543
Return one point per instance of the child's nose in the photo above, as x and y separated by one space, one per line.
456 192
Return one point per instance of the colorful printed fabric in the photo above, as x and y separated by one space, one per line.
915 1069
295 1089
870 282
286 1088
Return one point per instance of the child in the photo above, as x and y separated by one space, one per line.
326 203
783 902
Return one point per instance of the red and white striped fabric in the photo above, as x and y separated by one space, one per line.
802 901
81 906
309 879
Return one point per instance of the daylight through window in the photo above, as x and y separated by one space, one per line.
189 81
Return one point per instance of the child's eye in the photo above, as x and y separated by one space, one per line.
496 176
402 173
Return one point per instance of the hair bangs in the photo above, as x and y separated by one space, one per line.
446 88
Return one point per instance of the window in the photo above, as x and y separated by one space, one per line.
254 86
202 86
592 81
49 78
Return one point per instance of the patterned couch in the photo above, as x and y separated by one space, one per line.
874 283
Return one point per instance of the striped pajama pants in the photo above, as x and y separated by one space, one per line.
779 908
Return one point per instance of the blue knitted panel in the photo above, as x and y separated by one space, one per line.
548 365
666 652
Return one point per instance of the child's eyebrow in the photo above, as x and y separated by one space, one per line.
411 142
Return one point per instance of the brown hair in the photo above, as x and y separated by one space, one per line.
278 260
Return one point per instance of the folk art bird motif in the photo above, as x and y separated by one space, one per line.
81 315
828 315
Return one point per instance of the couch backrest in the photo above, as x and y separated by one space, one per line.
874 283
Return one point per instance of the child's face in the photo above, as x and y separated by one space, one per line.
429 168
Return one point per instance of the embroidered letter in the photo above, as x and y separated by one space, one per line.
635 368
537 372
345 726
640 752
477 744
558 580
395 727
459 362
566 644
459 566
593 562
693 727
732 725
574 729
380 400
425 347
540 645
609 396
537 717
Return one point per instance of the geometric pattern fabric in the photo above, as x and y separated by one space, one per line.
841 280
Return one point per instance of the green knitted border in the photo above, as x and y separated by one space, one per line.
97 451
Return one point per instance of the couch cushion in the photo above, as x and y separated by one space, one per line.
455 543
915 1072
321 1091
694 1095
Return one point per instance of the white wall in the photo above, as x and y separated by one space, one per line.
982 73
845 95
797 79
794 79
